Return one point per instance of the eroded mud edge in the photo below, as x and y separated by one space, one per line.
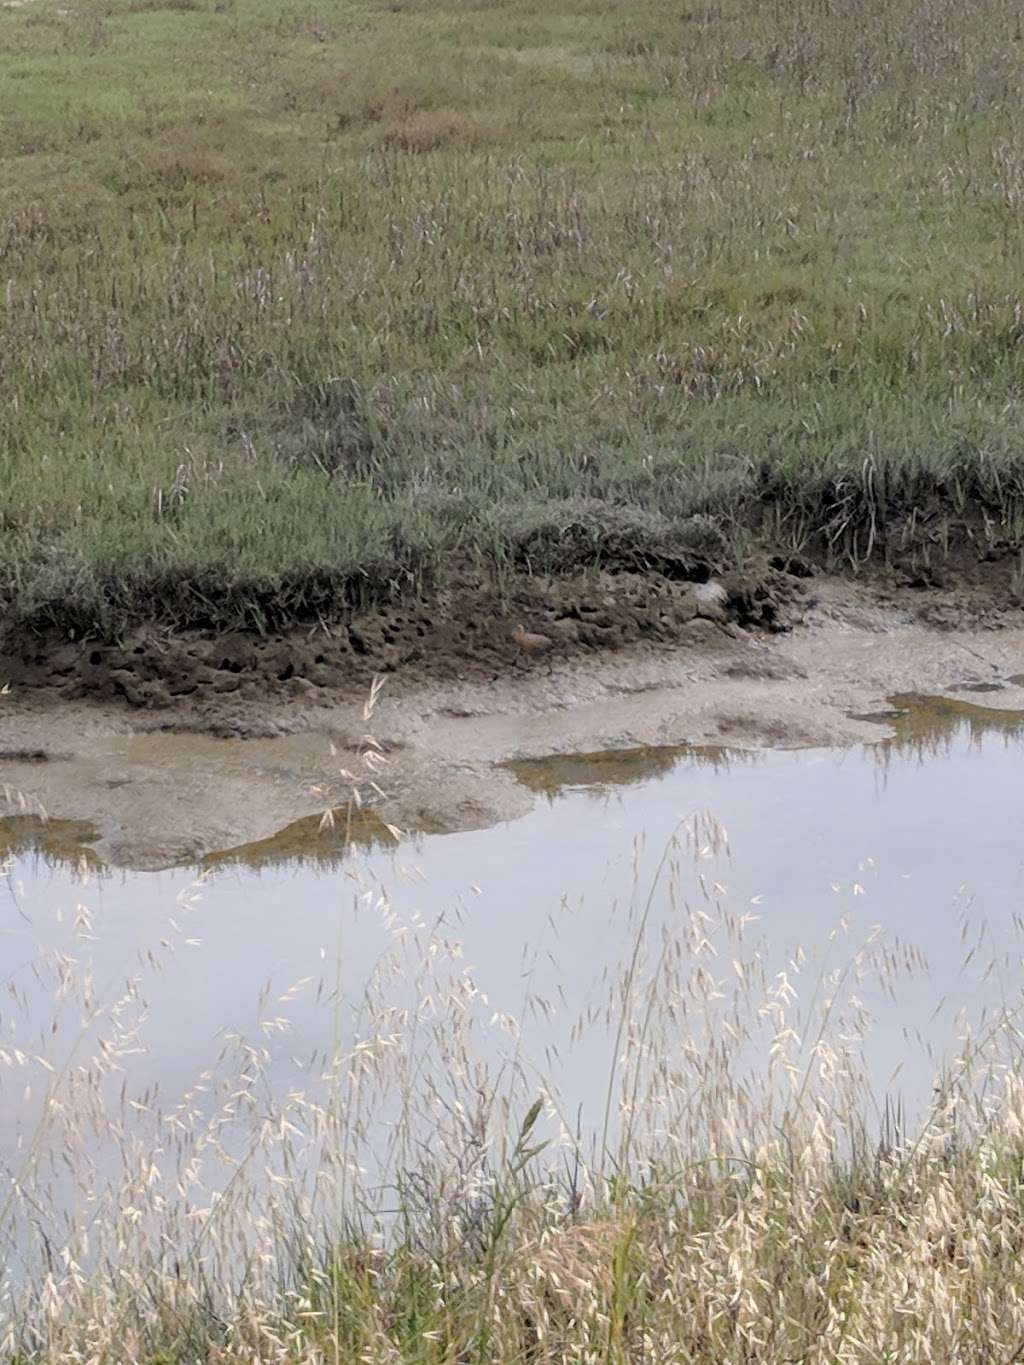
792 660
464 633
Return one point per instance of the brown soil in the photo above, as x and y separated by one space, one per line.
465 633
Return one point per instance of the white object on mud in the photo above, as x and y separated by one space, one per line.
710 598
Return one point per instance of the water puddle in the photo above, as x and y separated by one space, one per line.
56 843
886 880
610 768
318 842
924 725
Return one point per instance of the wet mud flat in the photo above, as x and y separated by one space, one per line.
159 790
912 726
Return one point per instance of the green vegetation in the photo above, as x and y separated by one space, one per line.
308 303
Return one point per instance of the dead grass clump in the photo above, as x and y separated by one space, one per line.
576 1264
155 6
428 130
177 168
314 27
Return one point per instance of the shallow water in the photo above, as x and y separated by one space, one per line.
301 944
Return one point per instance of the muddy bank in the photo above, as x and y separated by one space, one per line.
163 786
210 680
464 633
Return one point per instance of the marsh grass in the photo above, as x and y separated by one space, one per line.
438 1181
303 305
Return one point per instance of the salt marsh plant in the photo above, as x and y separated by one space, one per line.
370 299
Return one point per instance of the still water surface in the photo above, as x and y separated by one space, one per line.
290 944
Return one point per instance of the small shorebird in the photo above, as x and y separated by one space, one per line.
533 646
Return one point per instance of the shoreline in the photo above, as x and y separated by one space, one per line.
169 786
